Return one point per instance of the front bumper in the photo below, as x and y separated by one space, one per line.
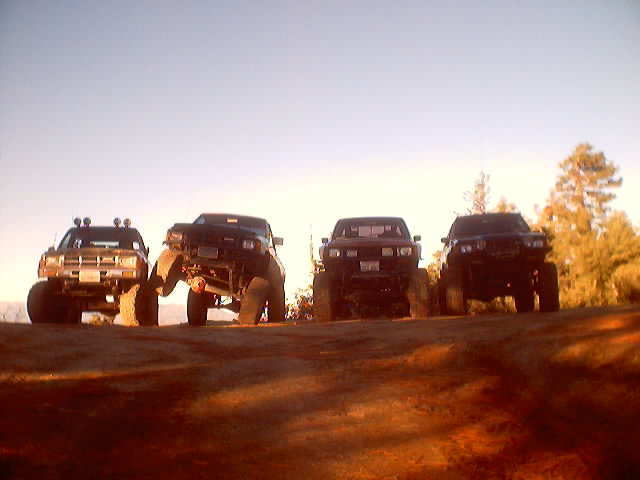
90 275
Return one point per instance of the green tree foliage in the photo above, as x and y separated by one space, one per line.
618 271
505 207
301 308
582 234
479 197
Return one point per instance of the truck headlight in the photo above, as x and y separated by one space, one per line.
466 248
249 244
387 252
533 242
174 237
352 253
52 261
404 251
128 262
334 252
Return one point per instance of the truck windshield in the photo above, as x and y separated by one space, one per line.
369 229
97 237
488 224
252 224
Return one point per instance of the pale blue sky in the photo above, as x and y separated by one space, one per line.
301 112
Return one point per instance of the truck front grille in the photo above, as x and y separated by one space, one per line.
212 240
89 261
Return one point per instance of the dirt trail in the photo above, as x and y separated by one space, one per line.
497 397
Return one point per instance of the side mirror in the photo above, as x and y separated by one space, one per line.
417 238
278 241
444 239
324 240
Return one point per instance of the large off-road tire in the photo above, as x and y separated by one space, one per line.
139 306
323 303
44 306
166 272
548 291
525 299
39 303
455 301
276 309
197 308
150 298
71 313
442 296
253 301
418 294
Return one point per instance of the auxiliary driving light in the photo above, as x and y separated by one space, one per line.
127 222
116 221
77 222
86 221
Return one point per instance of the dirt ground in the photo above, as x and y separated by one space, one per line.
535 396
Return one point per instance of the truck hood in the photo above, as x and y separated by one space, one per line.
197 228
101 252
369 242
492 237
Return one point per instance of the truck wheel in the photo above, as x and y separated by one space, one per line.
276 309
139 307
455 301
418 294
253 301
39 301
197 308
323 305
548 291
166 273
524 298
442 296
71 314
150 299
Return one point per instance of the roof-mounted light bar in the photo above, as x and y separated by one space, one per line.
86 221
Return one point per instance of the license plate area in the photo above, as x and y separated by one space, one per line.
208 252
370 266
89 276
507 253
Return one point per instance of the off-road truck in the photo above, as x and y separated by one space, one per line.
493 255
95 268
370 266
229 261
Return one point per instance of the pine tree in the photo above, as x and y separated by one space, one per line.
619 251
505 207
575 219
479 198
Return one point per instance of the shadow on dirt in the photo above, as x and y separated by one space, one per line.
504 397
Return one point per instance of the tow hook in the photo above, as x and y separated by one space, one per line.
198 284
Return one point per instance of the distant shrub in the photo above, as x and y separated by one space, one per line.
301 308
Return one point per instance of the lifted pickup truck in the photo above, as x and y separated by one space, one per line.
492 255
102 269
370 265
229 261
